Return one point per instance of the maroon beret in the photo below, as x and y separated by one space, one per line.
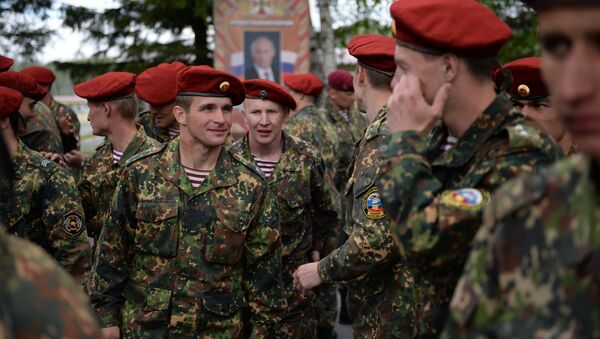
527 83
10 101
542 5
374 51
305 83
106 87
269 90
5 63
341 80
207 81
464 27
158 85
24 84
43 75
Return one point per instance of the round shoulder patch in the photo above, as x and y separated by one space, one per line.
72 223
371 204
466 198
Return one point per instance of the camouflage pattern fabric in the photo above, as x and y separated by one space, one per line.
433 198
38 299
45 209
348 133
534 271
308 222
100 177
146 120
174 261
42 133
369 259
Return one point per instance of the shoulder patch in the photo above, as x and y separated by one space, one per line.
146 153
47 166
371 204
466 198
72 223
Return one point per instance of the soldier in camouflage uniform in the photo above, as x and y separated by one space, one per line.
535 265
433 185
157 86
295 173
37 298
350 123
194 231
112 114
45 206
368 261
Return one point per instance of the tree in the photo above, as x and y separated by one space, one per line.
327 37
138 34
22 29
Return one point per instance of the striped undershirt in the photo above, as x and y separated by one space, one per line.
196 176
449 143
173 131
266 166
116 155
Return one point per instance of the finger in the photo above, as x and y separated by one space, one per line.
439 102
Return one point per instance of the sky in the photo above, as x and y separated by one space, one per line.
69 45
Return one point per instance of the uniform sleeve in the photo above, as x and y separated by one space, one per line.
112 260
427 221
64 217
326 222
263 284
87 199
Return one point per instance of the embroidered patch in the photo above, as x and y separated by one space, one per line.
72 223
371 204
466 198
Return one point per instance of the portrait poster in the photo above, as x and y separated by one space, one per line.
262 38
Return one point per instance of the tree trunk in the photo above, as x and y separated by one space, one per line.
327 37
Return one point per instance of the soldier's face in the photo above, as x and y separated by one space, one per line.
207 121
27 108
163 115
543 114
342 99
570 41
98 117
265 120
263 52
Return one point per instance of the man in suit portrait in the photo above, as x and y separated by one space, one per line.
262 51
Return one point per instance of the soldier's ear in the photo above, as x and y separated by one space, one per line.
450 66
179 114
4 123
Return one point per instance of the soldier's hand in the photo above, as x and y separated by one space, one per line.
307 276
57 158
111 332
409 111
74 158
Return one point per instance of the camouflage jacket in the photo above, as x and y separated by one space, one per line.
534 271
309 125
369 258
434 199
45 209
172 260
100 176
349 133
42 133
38 299
146 120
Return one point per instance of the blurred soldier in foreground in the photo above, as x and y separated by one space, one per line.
158 87
112 112
44 206
193 232
435 183
534 271
295 173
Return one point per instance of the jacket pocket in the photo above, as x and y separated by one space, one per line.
225 244
156 231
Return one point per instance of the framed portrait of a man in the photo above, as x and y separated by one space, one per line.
262 55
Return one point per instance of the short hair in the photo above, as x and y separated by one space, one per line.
127 106
378 80
184 101
480 68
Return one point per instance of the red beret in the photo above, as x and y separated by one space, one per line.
305 83
542 5
43 75
269 90
158 85
464 27
106 87
5 63
23 83
10 101
207 81
527 83
341 80
374 51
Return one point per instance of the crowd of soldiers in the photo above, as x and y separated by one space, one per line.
442 194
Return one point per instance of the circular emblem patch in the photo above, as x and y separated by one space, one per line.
72 223
371 204
466 198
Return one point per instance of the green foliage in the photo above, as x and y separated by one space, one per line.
22 29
